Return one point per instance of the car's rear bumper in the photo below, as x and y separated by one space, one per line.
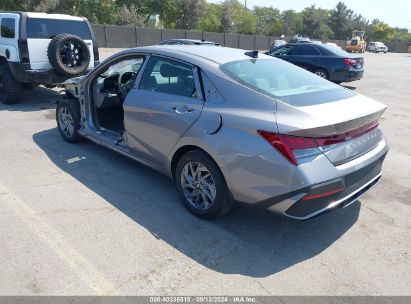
271 182
23 73
348 75
356 184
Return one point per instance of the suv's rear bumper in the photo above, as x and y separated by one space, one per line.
23 73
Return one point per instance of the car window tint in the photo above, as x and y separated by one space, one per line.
168 76
282 80
304 49
39 28
8 27
282 51
329 50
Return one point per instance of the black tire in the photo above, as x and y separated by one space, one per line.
222 203
11 90
72 107
324 73
29 86
64 59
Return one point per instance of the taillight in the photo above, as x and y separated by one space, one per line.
349 62
293 147
277 141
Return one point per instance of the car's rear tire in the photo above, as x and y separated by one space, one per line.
68 54
11 90
201 185
68 120
322 73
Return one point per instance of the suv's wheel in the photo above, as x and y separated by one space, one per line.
11 90
201 185
68 120
68 54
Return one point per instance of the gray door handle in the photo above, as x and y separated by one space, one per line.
182 109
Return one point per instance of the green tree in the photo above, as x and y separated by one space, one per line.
315 23
97 11
189 13
268 21
235 18
211 19
340 21
382 32
292 23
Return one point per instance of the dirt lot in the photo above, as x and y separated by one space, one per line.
82 220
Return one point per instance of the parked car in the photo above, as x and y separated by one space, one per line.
187 42
278 42
300 39
323 60
39 48
229 125
377 47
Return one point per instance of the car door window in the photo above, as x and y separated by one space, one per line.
8 27
168 76
305 50
282 51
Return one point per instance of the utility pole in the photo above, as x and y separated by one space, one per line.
245 4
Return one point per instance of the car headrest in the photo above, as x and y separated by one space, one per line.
168 70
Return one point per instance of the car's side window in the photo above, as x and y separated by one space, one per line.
8 27
282 51
168 76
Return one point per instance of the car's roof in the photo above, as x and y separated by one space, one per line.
54 16
196 53
193 41
46 15
307 43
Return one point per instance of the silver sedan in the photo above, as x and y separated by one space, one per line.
229 126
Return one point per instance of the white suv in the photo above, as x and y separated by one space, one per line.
377 47
40 48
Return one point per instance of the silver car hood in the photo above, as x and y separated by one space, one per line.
328 119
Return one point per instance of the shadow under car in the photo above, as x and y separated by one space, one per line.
248 241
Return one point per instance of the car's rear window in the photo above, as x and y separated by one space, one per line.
329 50
40 28
284 81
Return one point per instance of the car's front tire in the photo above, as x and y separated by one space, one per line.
11 90
201 185
68 120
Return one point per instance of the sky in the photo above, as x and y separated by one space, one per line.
393 12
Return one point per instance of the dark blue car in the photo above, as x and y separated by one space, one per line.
324 60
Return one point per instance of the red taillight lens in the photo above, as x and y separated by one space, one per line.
277 142
319 195
285 144
349 62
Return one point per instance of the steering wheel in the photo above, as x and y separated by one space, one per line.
125 81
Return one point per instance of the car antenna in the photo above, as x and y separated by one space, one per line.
252 54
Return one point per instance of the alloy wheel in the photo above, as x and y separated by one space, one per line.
198 185
66 122
321 74
72 55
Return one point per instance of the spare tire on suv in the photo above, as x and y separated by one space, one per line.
68 54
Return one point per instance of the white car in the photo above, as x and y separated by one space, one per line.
40 48
377 47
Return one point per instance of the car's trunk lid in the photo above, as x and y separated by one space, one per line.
354 120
